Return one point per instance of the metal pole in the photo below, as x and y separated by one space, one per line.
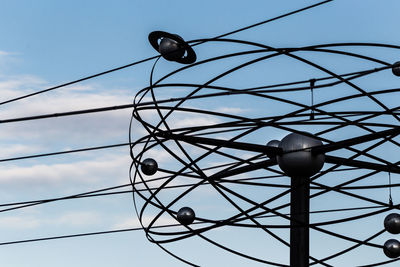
299 225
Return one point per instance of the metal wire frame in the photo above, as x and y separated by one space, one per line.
163 134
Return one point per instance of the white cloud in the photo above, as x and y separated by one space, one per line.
16 85
230 110
11 150
68 219
193 121
134 222
75 131
112 167
19 222
81 218
4 53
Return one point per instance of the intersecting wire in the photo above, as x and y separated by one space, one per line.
154 57
357 123
104 109
80 150
78 112
93 148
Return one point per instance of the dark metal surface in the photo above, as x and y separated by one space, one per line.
392 223
396 68
185 215
296 159
172 47
149 166
299 223
339 151
391 248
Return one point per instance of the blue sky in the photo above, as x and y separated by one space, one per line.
45 43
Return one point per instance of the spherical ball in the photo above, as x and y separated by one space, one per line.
149 166
272 143
170 49
392 223
391 248
186 216
296 159
396 68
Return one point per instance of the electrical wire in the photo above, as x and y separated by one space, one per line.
64 152
154 57
237 91
140 228
77 81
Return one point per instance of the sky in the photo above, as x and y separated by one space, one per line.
45 43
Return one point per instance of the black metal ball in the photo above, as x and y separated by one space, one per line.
170 49
391 248
186 216
297 160
396 68
392 223
272 143
149 166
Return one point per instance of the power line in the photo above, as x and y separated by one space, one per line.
69 236
77 81
25 204
69 113
140 228
267 21
125 106
154 57
64 152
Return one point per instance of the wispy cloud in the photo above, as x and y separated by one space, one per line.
4 53
73 130
134 222
79 218
35 221
231 110
85 172
19 222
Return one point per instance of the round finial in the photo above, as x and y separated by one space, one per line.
391 248
396 68
272 143
149 166
186 216
392 223
296 159
170 49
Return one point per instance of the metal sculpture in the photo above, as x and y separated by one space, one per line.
342 145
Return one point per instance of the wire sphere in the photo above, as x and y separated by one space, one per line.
217 135
172 47
391 248
396 68
149 166
185 216
297 160
392 223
